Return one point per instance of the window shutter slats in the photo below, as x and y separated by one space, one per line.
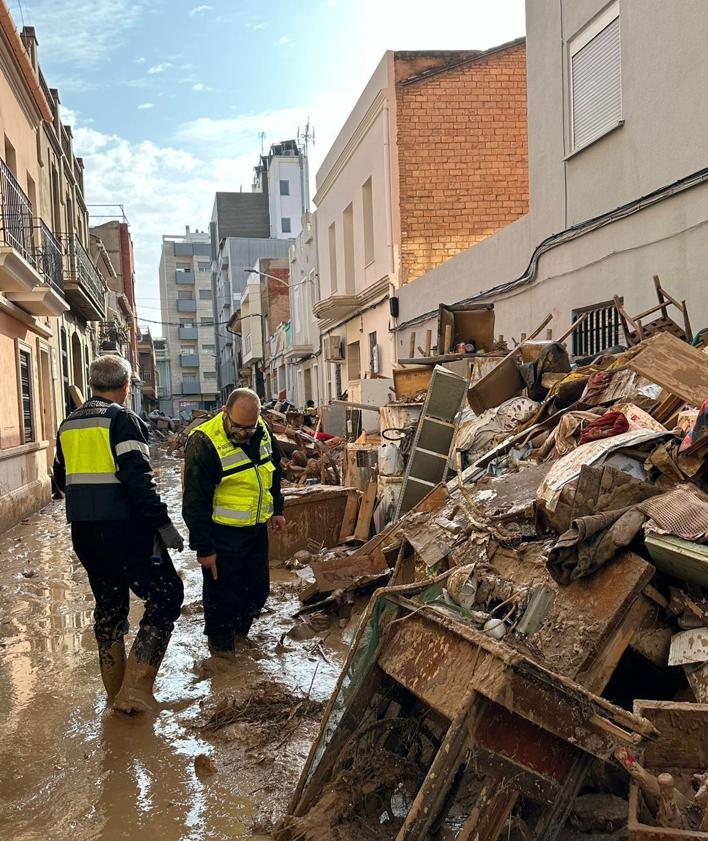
597 87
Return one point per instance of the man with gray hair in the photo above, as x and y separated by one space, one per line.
121 530
231 493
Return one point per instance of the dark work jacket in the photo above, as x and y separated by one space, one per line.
135 495
202 473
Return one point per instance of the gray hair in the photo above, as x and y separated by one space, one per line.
243 394
108 373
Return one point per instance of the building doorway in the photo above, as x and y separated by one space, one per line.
77 363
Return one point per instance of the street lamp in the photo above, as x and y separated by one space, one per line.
265 274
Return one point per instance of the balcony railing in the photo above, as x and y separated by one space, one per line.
51 258
16 221
82 270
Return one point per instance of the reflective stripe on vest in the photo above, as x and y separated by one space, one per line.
243 497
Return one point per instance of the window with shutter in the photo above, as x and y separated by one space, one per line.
596 79
26 391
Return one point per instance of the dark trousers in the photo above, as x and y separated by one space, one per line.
236 598
116 554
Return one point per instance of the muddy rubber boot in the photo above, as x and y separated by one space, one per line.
111 659
149 648
221 645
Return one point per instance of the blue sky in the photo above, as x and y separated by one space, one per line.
167 98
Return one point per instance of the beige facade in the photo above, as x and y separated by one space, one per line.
303 351
431 159
607 213
29 302
187 307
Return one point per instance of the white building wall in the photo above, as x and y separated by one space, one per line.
290 206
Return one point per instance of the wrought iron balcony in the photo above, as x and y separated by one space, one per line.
31 271
17 218
51 258
84 286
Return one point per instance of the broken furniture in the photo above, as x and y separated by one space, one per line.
678 749
430 451
636 331
315 515
498 710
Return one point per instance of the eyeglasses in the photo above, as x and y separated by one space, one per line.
245 427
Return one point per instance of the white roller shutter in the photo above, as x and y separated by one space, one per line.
596 81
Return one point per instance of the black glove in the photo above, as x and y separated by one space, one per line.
171 537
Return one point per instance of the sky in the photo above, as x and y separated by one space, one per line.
167 98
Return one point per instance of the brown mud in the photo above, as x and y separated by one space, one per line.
71 769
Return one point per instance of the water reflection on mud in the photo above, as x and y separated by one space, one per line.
70 769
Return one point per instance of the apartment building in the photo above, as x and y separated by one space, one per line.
302 351
432 159
264 308
113 238
147 363
618 144
163 380
187 306
282 176
64 238
245 227
30 290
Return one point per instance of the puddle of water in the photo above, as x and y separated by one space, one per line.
69 769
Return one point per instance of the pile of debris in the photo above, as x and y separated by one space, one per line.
537 666
308 455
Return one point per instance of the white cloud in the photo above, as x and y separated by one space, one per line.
81 33
159 68
145 106
140 60
261 24
199 10
283 40
199 87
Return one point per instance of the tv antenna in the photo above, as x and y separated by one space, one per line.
261 137
304 137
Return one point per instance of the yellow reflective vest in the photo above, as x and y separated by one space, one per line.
242 497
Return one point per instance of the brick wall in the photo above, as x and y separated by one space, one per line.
463 156
278 298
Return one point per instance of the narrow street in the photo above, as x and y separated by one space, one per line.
74 770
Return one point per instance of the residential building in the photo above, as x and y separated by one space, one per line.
264 307
148 371
114 237
64 233
283 176
233 255
432 159
30 287
303 351
163 380
247 226
618 144
187 307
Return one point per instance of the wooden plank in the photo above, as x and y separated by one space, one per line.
428 342
408 382
679 558
366 511
349 518
674 365
340 573
411 344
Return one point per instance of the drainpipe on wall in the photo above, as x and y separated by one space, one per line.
389 212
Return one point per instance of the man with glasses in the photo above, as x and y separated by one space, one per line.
231 491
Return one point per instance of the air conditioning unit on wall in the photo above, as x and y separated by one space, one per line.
332 348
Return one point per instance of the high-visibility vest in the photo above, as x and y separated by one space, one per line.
93 491
242 497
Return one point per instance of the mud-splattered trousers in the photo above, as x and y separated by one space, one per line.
236 598
117 557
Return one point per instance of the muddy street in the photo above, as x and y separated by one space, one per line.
70 768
